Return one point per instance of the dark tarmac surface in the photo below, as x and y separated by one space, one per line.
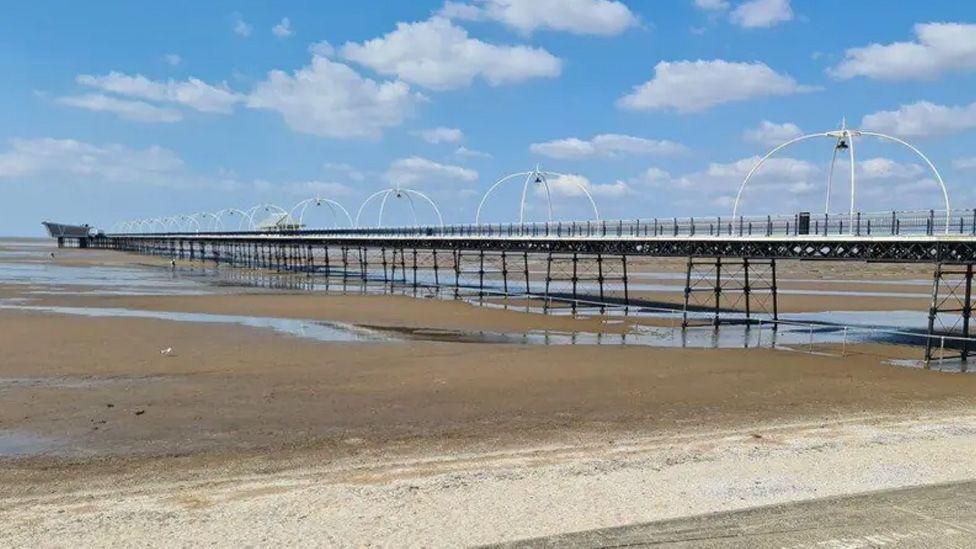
929 516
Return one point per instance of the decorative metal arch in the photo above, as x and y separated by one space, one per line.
219 223
186 223
214 223
268 208
539 176
398 192
319 201
844 139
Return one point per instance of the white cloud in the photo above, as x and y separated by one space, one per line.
885 168
193 93
652 177
761 13
964 163
172 59
138 111
599 17
922 119
440 55
606 145
938 48
772 134
465 152
693 86
413 170
346 169
283 28
572 185
779 168
240 27
324 189
440 135
112 163
712 5
322 48
781 185
330 99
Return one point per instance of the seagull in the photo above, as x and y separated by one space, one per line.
168 351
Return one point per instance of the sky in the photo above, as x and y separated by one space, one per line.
114 111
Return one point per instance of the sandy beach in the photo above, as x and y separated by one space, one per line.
416 431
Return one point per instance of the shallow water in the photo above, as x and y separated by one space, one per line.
122 280
18 444
704 337
310 329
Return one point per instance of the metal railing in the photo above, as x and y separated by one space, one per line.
880 224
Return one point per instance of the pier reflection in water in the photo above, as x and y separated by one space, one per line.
797 331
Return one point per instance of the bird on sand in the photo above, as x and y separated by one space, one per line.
168 351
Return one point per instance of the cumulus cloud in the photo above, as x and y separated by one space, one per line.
439 55
324 189
712 5
694 86
68 157
761 13
965 163
922 119
572 185
465 152
283 28
329 99
771 134
193 93
415 169
138 111
595 17
172 59
440 135
606 145
886 168
938 48
347 170
239 26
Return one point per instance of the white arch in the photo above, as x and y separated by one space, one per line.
398 192
847 136
268 208
185 222
541 177
319 201
214 224
219 222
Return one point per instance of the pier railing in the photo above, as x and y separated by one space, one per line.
861 224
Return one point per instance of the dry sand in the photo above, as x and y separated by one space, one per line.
250 437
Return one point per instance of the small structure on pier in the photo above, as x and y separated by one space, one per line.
64 233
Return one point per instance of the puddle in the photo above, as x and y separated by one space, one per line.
705 337
19 444
309 329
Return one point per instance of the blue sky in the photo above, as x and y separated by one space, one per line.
122 110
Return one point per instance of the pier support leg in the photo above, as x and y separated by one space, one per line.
437 282
952 293
623 263
545 303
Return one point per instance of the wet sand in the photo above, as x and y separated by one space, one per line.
243 435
